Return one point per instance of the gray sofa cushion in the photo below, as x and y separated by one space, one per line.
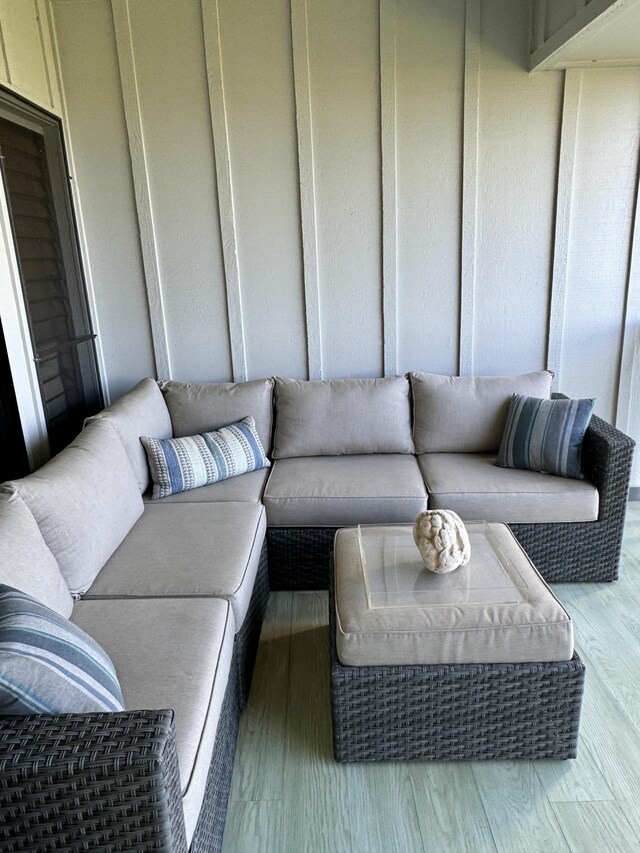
467 414
472 485
329 491
196 408
85 500
196 637
342 416
25 561
198 549
141 411
249 487
538 629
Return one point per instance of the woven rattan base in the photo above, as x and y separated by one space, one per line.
299 557
248 637
209 831
447 712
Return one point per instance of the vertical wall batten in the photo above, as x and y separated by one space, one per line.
469 183
131 102
388 123
626 418
566 165
306 166
44 32
215 81
5 70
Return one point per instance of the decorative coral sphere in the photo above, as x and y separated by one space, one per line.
442 540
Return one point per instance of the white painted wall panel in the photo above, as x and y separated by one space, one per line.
325 116
429 96
259 99
345 105
604 196
97 129
516 196
176 128
23 49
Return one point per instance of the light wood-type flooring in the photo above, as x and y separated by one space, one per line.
289 796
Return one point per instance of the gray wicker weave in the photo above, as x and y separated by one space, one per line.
450 712
108 782
209 831
299 557
90 782
248 637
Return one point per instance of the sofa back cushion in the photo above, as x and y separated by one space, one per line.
209 406
26 563
342 416
141 411
467 414
85 500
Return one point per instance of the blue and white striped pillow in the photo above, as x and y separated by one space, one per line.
48 665
545 435
180 464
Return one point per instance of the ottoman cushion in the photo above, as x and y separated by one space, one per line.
537 629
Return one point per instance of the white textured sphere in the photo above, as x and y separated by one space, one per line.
442 540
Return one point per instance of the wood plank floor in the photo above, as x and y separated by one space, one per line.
289 796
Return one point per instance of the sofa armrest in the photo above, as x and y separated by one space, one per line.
607 454
89 781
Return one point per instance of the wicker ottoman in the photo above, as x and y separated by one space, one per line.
388 706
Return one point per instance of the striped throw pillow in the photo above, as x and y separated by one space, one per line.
180 464
48 665
545 435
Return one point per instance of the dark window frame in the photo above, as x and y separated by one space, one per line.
21 112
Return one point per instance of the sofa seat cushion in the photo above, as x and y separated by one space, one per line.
170 653
473 485
537 628
85 500
141 411
248 487
199 549
26 563
335 491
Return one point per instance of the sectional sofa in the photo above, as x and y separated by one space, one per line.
174 590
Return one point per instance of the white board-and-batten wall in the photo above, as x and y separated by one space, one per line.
320 189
